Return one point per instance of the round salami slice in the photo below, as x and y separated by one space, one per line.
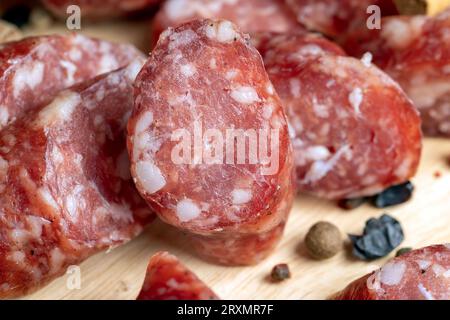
168 279
249 15
422 274
354 131
209 142
415 51
65 187
35 69
94 9
335 18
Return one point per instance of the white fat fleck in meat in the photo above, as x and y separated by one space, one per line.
321 110
187 210
188 70
213 63
144 122
438 270
17 257
71 69
107 63
28 76
367 59
309 50
245 95
60 109
57 156
182 38
356 98
178 9
241 196
317 153
150 177
48 198
35 225
231 74
423 264
223 31
392 273
320 169
269 88
19 236
4 116
267 111
75 54
133 69
74 203
400 33
57 259
373 281
291 131
426 294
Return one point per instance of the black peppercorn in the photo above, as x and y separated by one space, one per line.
380 237
280 272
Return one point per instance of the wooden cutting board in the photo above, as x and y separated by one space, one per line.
119 274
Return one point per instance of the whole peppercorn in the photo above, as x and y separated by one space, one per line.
323 240
280 272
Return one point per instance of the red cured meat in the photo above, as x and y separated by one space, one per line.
415 51
35 69
249 15
353 129
65 187
335 18
168 279
98 8
422 274
204 77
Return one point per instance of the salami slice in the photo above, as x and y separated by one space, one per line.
422 274
415 51
35 69
335 18
249 15
209 144
354 131
94 9
65 187
168 279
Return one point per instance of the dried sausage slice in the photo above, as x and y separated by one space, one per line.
98 8
168 279
422 274
415 51
249 15
65 187
35 69
354 130
209 143
335 18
